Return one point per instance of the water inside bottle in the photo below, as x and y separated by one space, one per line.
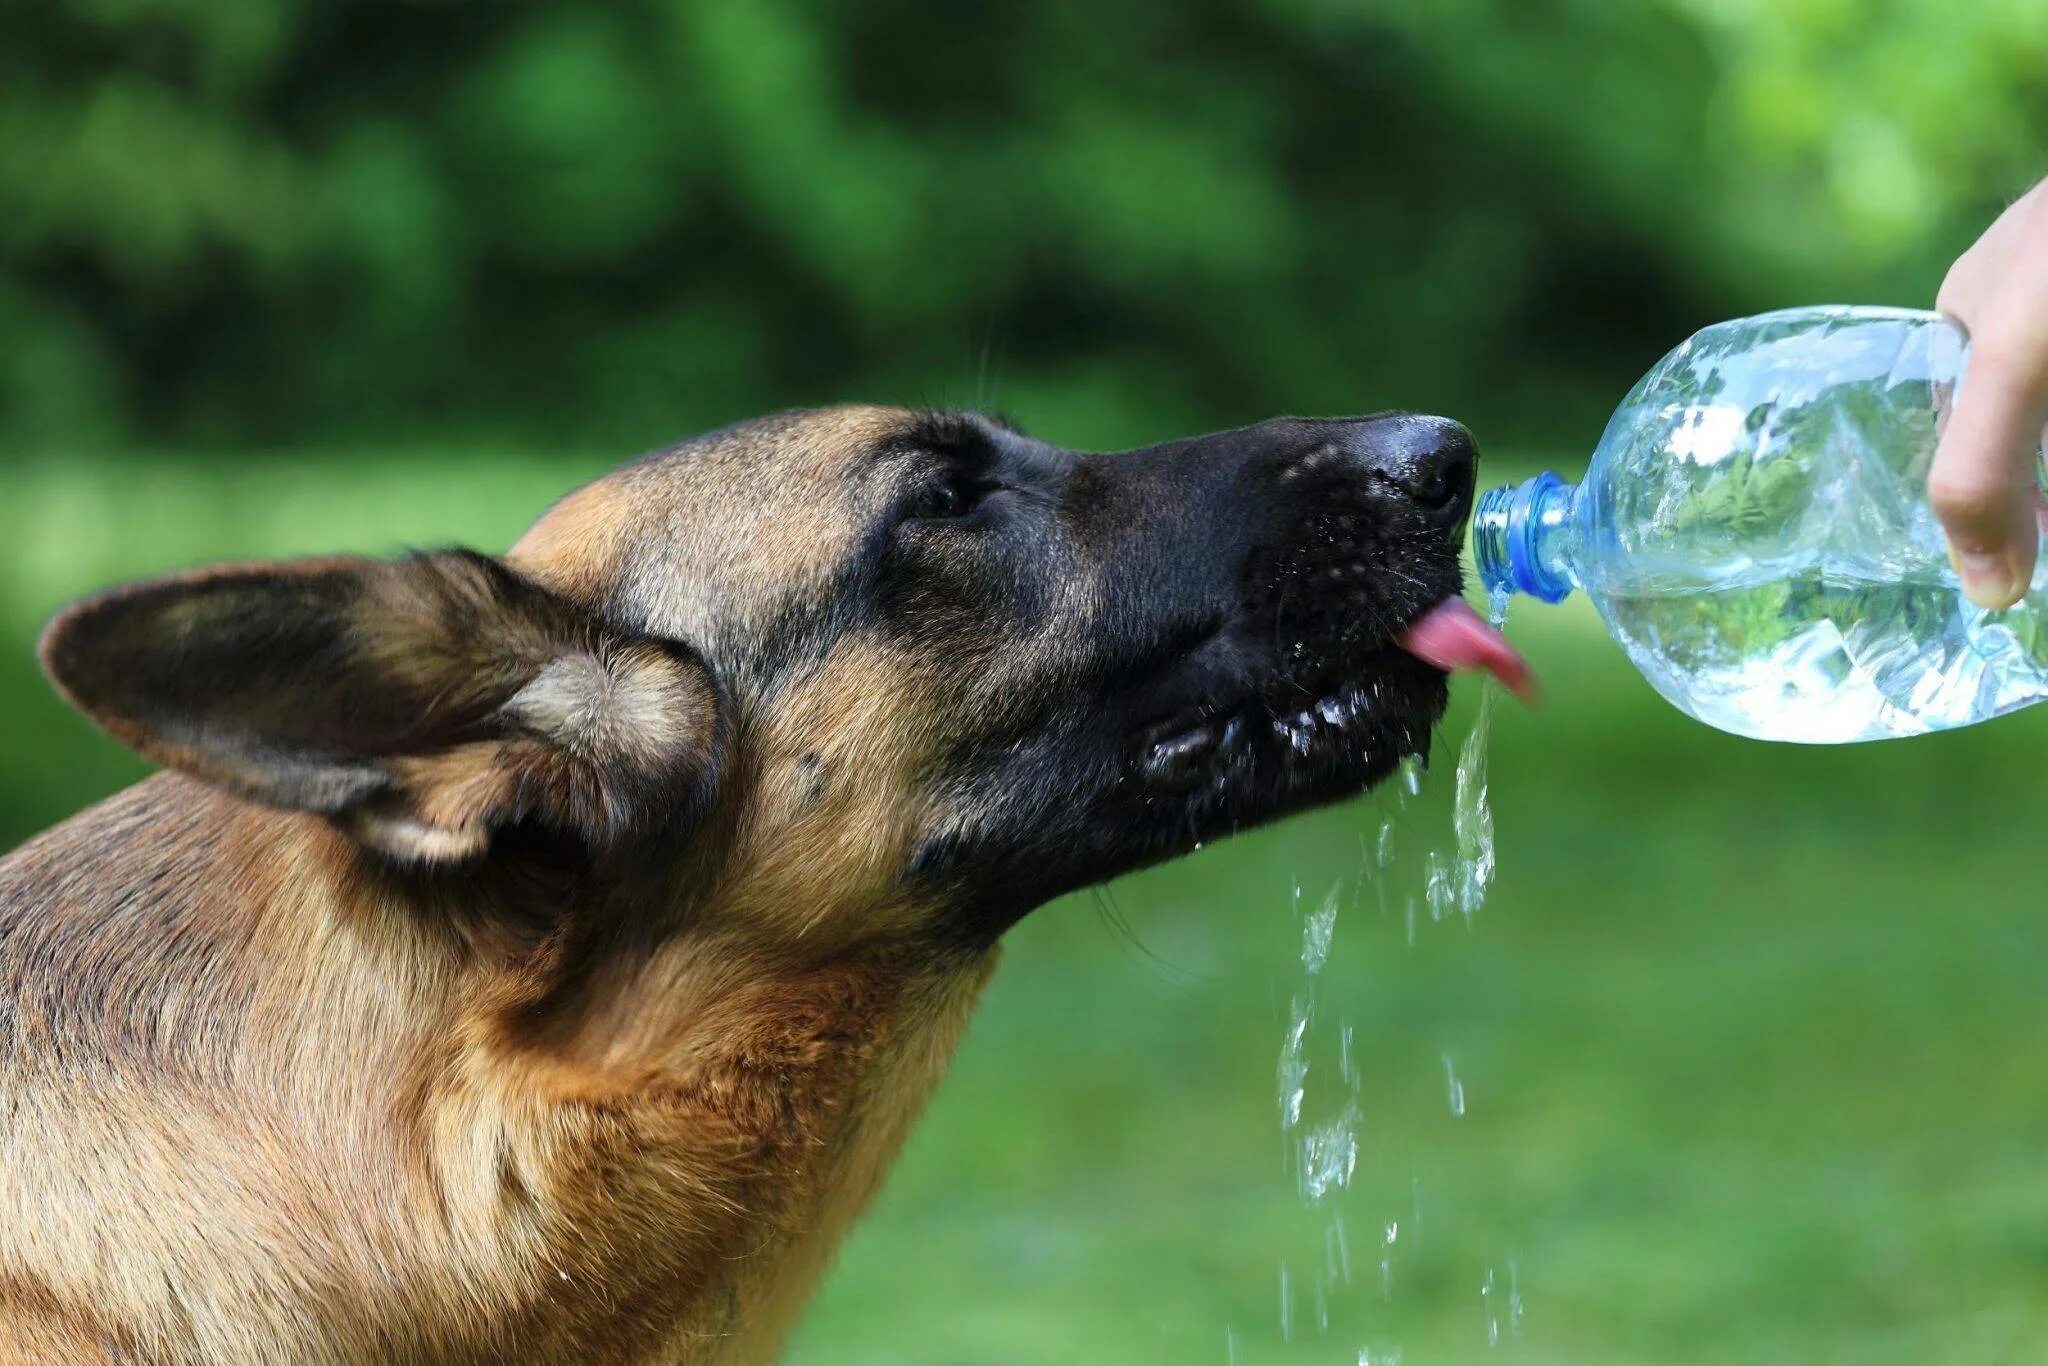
1827 653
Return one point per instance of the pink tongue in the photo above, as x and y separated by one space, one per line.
1454 638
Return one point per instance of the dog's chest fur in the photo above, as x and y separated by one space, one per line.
295 1127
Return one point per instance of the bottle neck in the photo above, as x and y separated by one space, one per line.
1519 534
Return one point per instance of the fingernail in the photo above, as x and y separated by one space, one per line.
1988 580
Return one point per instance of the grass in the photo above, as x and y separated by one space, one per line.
1752 1038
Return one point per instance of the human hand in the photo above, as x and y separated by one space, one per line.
1983 484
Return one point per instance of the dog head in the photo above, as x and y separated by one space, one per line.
867 670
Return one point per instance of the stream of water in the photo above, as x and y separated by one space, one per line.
1324 1125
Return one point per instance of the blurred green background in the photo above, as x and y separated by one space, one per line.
1752 1040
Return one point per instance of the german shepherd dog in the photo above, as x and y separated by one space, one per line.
542 958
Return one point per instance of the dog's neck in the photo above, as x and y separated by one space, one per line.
763 1120
486 1154
735 1099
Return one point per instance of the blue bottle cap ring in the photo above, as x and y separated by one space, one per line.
1525 570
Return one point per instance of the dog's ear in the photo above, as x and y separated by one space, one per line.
422 704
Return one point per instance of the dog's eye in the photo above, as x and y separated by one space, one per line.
943 499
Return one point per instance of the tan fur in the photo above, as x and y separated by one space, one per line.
784 500
268 1098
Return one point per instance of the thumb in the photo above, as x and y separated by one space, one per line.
1982 484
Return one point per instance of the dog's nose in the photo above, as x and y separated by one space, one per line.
1431 461
1426 465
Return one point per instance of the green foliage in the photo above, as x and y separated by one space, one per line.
1741 497
246 220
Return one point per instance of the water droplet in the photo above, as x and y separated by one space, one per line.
1471 815
1316 933
1329 1155
1436 886
1453 1088
1412 770
1293 1072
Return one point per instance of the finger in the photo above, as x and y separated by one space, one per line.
1970 282
1982 483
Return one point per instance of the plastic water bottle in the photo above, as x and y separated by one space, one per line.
1754 531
